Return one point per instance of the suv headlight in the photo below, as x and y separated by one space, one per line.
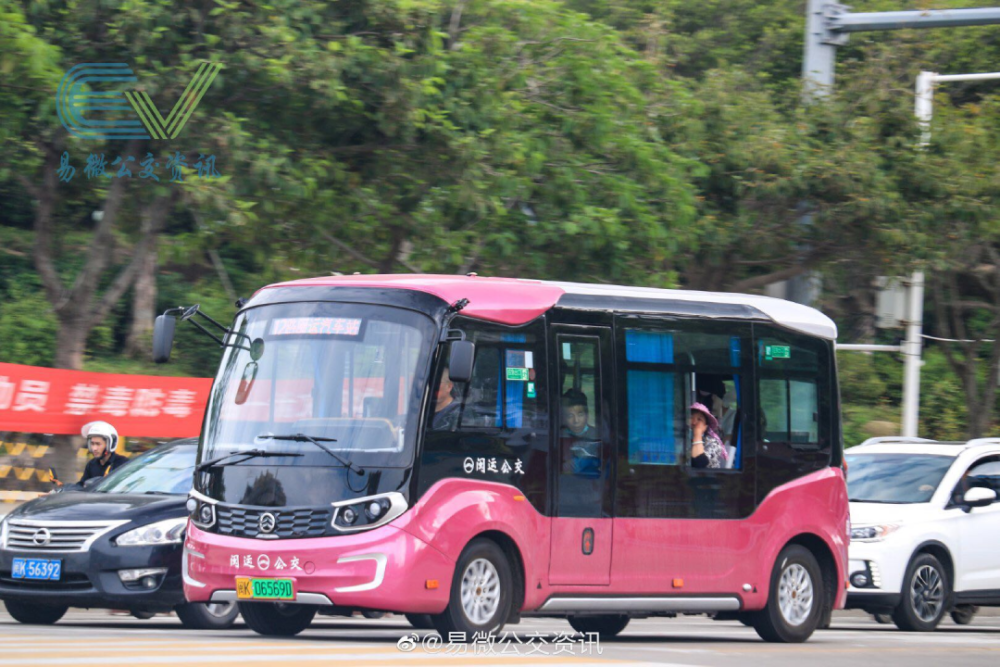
370 512
170 531
875 533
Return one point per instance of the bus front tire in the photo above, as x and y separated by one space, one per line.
275 619
30 613
481 593
606 627
795 602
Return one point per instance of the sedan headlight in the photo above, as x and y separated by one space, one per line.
170 531
875 533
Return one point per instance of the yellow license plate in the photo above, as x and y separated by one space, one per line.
248 588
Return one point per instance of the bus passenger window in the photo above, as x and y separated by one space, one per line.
666 372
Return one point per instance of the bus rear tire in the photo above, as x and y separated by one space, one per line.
274 619
31 613
795 602
606 627
482 593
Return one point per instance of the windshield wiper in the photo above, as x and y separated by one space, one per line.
302 437
247 454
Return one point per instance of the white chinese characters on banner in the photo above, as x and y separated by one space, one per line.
86 399
31 396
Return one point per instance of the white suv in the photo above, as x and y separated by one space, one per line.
925 535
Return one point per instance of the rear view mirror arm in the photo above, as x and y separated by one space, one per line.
189 313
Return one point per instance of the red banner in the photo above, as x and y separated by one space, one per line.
49 400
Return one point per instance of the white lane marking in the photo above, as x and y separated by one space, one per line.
353 658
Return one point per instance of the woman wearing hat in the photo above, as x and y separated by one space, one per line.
707 450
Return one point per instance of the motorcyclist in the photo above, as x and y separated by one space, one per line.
102 441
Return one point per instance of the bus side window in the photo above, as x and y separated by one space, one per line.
793 385
666 372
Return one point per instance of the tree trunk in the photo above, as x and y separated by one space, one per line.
143 304
71 341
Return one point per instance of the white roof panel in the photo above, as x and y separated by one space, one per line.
786 313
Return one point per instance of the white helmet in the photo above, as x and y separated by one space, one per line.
104 430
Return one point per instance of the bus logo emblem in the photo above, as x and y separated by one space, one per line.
267 522
588 541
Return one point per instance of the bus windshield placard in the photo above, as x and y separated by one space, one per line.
316 326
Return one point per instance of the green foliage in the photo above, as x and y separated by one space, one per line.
27 328
653 143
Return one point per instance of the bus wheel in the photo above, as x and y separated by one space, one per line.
34 614
795 603
276 619
606 627
420 621
925 593
481 592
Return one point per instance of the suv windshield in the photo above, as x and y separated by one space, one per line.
350 375
161 470
895 478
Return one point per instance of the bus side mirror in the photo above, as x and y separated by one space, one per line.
463 355
163 338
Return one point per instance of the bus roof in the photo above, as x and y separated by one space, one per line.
516 301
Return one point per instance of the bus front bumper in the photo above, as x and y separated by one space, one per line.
385 569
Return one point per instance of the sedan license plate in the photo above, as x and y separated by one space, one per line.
45 569
264 589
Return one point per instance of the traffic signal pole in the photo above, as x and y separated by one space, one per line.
829 25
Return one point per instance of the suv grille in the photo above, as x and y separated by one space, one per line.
54 536
289 522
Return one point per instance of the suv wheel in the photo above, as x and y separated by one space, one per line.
925 594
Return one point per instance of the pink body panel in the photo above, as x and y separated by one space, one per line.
720 556
505 300
711 556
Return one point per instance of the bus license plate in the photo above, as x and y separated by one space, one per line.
264 589
36 568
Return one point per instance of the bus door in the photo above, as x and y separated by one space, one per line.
583 455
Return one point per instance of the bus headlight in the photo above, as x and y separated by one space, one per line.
202 510
369 512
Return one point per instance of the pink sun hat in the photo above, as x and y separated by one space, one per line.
713 423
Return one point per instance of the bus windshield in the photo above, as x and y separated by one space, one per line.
350 376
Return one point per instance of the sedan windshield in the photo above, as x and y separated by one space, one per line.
894 478
161 470
350 376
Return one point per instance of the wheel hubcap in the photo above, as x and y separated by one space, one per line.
795 594
927 593
219 609
480 591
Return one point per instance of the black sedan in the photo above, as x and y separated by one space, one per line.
115 544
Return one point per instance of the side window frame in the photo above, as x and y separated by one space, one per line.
680 491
